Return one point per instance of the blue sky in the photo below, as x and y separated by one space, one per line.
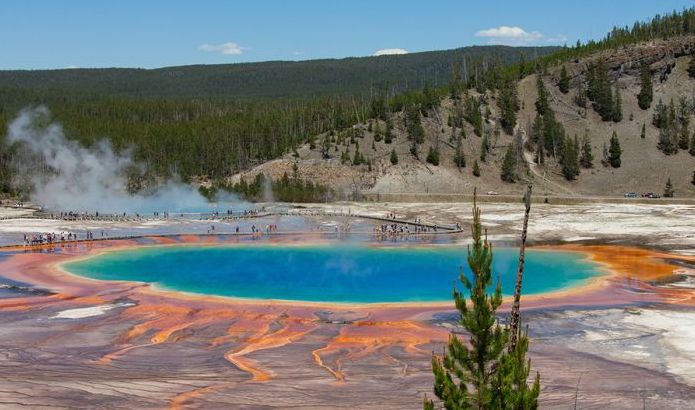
155 33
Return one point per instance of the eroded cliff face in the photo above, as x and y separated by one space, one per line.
661 56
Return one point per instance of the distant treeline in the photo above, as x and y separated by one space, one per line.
204 138
284 189
200 137
274 79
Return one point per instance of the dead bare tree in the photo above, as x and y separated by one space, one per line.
515 314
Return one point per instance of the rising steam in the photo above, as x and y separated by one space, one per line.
65 175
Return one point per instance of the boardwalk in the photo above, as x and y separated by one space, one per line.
432 229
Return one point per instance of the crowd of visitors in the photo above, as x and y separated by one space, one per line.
52 237
391 226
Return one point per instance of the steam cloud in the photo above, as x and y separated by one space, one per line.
76 178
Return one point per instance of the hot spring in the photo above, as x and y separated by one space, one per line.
329 273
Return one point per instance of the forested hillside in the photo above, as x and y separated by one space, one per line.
213 121
608 117
274 79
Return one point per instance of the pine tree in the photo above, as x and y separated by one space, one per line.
691 66
377 132
473 116
357 159
614 151
476 168
684 120
414 151
692 181
459 156
484 148
587 157
542 105
646 94
508 103
413 124
388 135
433 156
666 143
684 138
570 159
604 104
668 190
660 117
538 138
553 134
394 157
590 82
665 119
482 374
692 145
513 377
600 91
509 165
617 108
672 113
643 134
564 84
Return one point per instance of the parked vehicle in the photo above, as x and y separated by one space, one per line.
650 195
631 195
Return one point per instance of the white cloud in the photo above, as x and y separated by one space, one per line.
389 51
560 38
297 53
224 48
506 32
514 35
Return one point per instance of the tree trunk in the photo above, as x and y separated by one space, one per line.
515 314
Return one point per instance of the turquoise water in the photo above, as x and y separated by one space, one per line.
328 273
